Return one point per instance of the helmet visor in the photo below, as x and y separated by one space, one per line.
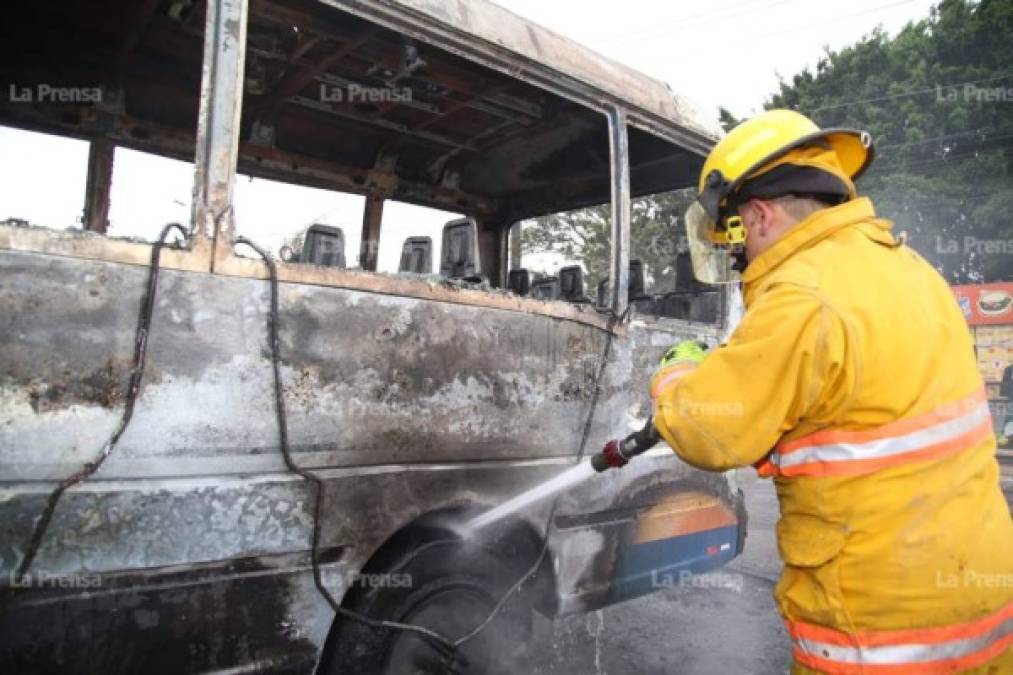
713 262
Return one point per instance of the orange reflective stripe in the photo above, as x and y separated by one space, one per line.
669 376
945 431
875 638
943 667
921 650
765 468
862 466
898 428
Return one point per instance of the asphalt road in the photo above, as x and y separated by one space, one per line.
689 631
692 631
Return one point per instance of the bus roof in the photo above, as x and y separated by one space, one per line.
459 105
500 28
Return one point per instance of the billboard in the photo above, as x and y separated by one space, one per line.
986 304
994 348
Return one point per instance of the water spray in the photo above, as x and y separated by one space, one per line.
577 473
615 454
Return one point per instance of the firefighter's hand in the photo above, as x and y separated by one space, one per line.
676 362
687 351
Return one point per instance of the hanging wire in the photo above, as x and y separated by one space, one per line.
318 483
446 646
536 565
136 374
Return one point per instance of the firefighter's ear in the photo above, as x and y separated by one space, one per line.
757 217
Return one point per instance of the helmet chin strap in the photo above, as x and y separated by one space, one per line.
739 259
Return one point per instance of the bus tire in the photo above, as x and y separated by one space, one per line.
449 587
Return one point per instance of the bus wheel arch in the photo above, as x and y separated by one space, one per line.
428 573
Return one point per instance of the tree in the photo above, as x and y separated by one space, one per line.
727 119
582 237
938 100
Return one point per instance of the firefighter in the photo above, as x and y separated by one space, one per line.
851 381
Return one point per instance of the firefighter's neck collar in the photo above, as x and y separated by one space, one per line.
807 232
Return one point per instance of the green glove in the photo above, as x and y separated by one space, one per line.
676 362
691 351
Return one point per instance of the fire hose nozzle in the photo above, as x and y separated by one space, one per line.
600 462
617 453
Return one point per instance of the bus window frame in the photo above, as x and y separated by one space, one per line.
216 167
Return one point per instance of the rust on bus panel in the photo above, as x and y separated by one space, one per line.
369 380
104 387
428 337
382 393
414 400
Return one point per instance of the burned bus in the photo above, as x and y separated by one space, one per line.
219 457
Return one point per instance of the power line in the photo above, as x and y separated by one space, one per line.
962 200
836 19
982 146
945 137
900 165
932 166
661 30
917 92
676 20
843 17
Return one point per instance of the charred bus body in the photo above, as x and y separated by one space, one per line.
412 400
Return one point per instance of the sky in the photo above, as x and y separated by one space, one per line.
728 53
722 53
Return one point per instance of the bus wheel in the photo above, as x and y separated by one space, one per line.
449 587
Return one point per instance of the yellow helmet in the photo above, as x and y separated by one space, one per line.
750 150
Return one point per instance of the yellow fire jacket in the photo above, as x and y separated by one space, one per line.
852 382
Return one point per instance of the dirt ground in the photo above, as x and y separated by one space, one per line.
690 631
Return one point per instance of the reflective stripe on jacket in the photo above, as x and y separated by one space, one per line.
943 649
948 429
852 382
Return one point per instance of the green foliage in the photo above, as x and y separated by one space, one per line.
583 237
727 119
656 233
580 236
944 166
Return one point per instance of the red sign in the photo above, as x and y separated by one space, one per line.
986 304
